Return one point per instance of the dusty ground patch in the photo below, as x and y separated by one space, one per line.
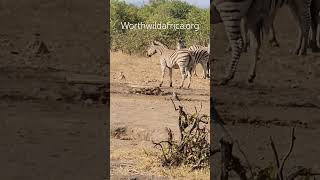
141 115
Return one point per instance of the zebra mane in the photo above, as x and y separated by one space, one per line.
159 44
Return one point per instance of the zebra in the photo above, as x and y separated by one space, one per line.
244 34
173 59
180 44
258 16
201 55
315 26
314 35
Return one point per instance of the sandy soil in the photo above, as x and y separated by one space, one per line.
48 131
145 117
284 94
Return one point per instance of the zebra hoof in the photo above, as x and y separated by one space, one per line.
251 79
160 85
294 51
274 43
302 53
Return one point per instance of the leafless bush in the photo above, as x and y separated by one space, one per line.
193 147
229 162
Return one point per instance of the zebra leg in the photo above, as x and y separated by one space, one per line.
183 75
256 44
318 33
305 27
189 77
299 41
231 13
246 40
163 71
205 69
313 39
194 70
170 76
303 17
273 39
318 29
236 43
208 65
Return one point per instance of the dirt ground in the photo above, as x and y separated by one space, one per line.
145 117
286 93
50 128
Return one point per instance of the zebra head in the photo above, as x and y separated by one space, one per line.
155 47
180 44
152 49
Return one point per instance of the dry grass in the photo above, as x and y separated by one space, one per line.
146 161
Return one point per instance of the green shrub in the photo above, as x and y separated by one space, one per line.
159 11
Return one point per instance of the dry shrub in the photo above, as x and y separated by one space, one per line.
193 147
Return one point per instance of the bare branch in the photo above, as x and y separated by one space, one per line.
293 138
276 157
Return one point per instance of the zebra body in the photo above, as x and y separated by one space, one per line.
173 59
201 56
259 16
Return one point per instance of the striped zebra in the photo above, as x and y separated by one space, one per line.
314 35
259 18
173 59
315 26
314 42
180 44
201 55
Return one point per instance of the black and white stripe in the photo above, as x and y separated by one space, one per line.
258 16
201 55
173 59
